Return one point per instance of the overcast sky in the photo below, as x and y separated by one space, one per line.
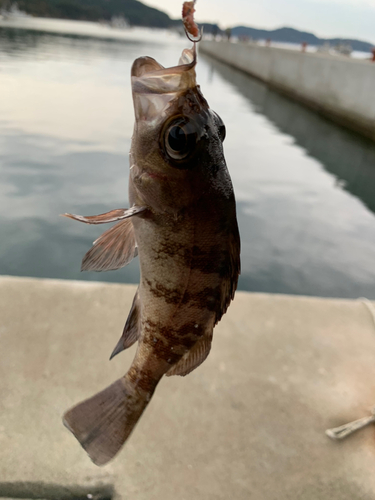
325 18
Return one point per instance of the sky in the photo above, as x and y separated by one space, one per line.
324 18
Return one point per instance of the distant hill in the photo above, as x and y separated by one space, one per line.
291 35
135 12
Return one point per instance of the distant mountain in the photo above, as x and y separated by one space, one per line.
279 35
291 35
355 44
135 12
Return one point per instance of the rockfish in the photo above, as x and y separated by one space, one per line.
182 223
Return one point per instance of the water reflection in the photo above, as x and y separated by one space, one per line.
348 156
66 120
24 43
304 188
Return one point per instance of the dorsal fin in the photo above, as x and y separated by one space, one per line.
131 328
193 358
114 249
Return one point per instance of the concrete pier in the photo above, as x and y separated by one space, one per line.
339 87
249 423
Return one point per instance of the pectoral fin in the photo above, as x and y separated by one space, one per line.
131 328
192 359
112 216
114 249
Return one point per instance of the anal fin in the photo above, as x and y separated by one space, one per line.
131 330
192 359
114 249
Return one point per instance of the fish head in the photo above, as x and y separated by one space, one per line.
177 141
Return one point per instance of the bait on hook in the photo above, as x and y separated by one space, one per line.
192 31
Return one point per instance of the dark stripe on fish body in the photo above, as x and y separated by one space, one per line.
165 351
170 343
170 295
203 299
187 329
214 260
157 334
210 298
168 248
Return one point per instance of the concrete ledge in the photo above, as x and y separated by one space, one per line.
249 423
337 87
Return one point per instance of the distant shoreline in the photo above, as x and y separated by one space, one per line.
93 30
137 14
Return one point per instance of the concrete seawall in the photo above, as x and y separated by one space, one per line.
248 423
336 86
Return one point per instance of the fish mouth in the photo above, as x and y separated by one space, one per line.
150 79
145 65
149 67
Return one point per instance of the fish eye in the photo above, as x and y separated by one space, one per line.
179 139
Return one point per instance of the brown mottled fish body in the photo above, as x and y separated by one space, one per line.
183 225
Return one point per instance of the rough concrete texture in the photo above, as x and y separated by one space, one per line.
248 424
339 87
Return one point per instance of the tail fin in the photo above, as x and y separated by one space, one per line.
103 422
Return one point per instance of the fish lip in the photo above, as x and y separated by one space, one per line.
155 87
145 65
148 66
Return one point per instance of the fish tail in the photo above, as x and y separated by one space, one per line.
103 422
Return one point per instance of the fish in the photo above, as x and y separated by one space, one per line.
182 224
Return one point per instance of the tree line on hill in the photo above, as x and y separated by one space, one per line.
135 12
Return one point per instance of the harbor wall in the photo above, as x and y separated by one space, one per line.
339 87
248 423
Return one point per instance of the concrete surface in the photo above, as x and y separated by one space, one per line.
248 424
339 87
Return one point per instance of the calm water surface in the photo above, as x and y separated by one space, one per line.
305 188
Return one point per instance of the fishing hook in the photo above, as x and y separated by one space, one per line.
195 39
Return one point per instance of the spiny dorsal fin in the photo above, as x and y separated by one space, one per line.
112 216
192 359
113 249
131 328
